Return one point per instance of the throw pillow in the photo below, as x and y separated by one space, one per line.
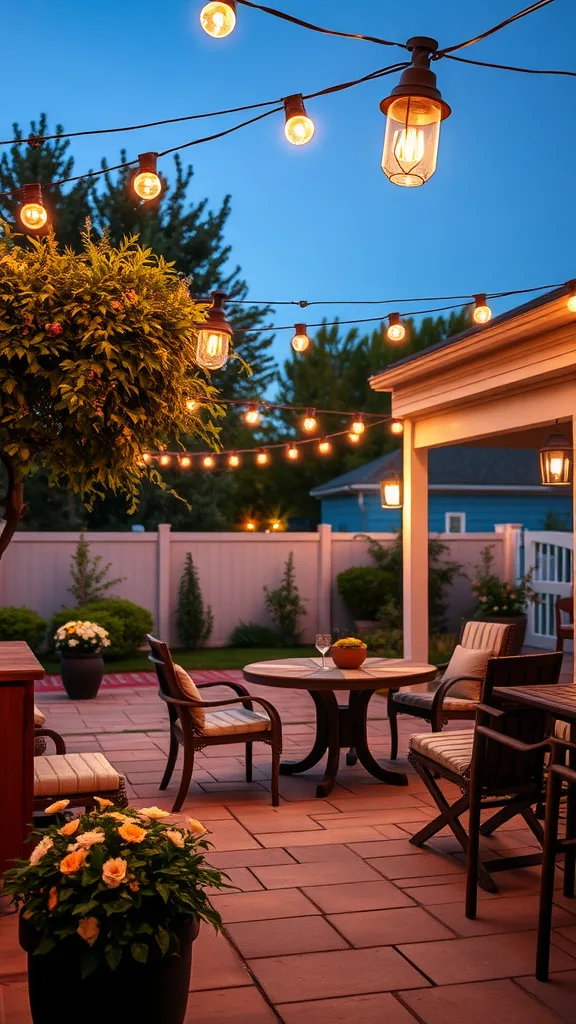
466 661
190 690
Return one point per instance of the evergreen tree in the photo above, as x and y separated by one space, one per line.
195 621
89 581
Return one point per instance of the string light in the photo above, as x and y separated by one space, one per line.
214 336
208 462
300 341
252 416
358 425
32 213
292 452
571 303
481 313
234 460
299 128
218 18
191 405
309 423
185 462
146 458
262 457
324 446
396 427
275 525
165 460
395 332
146 183
354 438
250 525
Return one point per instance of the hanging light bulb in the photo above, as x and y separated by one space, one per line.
292 452
275 525
324 446
262 457
185 461
299 128
300 341
250 525
354 438
208 462
571 303
233 460
396 427
165 460
218 18
214 336
395 332
309 423
32 213
191 405
358 425
391 492
146 182
252 416
556 460
146 458
414 111
481 313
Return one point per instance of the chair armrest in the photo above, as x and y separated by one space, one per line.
55 736
239 688
272 712
438 700
509 741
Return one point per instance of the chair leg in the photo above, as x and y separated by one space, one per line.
393 723
172 755
187 770
554 790
473 852
276 747
248 762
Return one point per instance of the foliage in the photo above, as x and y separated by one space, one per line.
22 624
195 622
252 634
365 589
349 643
89 581
115 886
384 643
126 623
285 606
496 597
106 620
81 637
560 521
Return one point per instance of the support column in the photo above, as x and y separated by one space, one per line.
415 547
324 578
163 610
511 542
573 545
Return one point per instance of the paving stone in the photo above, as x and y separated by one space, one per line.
558 993
509 914
13 959
406 866
351 897
261 824
500 1002
248 858
229 1006
389 927
380 1008
215 964
262 906
481 958
310 854
286 876
14 1003
335 835
284 936
229 835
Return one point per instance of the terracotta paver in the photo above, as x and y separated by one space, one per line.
337 899
262 906
372 1009
215 964
389 927
285 876
229 1006
285 935
481 958
558 994
500 1002
516 913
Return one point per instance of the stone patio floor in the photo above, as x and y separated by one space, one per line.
334 916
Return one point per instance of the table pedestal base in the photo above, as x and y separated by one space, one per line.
341 726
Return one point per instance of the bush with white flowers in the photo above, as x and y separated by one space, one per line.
81 637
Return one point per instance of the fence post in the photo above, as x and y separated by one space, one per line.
324 578
510 533
163 609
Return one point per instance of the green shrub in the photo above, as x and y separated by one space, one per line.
252 634
365 589
89 581
286 606
195 621
135 620
22 624
106 619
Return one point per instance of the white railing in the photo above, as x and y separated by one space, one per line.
551 555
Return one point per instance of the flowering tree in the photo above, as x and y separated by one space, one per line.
97 365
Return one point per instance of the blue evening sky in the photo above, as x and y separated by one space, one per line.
323 221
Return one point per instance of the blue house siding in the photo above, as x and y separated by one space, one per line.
482 511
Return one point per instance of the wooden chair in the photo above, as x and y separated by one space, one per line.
217 725
564 630
439 707
78 778
488 774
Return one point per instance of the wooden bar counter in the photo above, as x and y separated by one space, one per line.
18 670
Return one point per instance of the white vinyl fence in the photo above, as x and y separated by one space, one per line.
550 554
233 570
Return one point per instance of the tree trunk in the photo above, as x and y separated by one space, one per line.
13 502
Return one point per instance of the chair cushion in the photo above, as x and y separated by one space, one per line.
39 718
467 661
424 701
190 690
235 720
57 774
450 749
487 636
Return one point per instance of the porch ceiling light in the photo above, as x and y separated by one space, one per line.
556 460
391 492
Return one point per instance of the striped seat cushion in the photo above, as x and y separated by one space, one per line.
424 701
234 720
39 718
451 750
57 774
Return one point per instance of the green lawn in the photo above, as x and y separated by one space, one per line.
216 658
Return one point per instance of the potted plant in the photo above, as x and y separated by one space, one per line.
110 904
348 652
502 602
80 645
365 589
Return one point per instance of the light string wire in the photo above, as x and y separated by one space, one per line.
496 28
265 405
304 303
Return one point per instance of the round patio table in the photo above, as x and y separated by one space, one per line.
340 725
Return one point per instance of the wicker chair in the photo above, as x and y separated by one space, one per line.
564 630
439 707
78 778
195 723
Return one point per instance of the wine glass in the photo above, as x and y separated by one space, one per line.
323 644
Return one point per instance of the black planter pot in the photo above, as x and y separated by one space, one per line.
151 993
81 674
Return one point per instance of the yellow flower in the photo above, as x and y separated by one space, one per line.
88 929
70 828
176 837
60 805
196 827
38 852
114 871
87 839
118 816
102 802
132 833
73 862
154 813
53 898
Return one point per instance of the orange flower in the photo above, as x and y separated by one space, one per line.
60 805
132 833
114 872
196 827
70 828
134 886
88 929
175 837
102 802
73 862
53 898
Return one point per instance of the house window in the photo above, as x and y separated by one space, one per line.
455 522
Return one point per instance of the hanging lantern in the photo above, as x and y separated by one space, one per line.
300 341
481 313
252 416
292 452
262 457
218 18
309 423
571 289
413 111
324 446
355 438
146 183
358 425
395 332
391 495
214 336
396 427
32 213
556 460
299 128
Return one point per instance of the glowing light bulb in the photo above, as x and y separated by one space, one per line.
292 452
391 493
208 462
408 147
396 427
165 460
146 183
214 336
218 18
396 332
324 446
262 458
32 213
233 460
275 525
191 405
299 128
146 458
300 341
309 423
354 438
252 416
250 525
572 303
358 425
481 313
185 462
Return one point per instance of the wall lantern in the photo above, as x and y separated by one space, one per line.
413 111
214 336
556 460
391 492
